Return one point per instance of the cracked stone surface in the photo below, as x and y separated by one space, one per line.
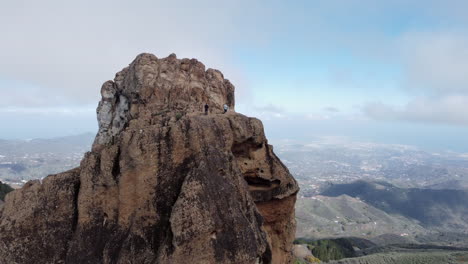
163 183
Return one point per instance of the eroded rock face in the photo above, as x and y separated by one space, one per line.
164 183
152 86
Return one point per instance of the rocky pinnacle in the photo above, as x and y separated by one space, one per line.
163 183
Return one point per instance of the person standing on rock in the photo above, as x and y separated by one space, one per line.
206 109
226 108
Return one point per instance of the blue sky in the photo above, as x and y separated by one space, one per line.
383 71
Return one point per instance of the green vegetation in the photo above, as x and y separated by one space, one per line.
345 216
302 241
178 116
428 257
352 250
461 257
307 260
4 189
329 249
431 208
298 261
312 259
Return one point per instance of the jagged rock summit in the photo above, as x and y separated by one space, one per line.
163 183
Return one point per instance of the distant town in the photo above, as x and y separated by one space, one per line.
315 166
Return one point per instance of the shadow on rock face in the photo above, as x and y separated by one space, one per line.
164 183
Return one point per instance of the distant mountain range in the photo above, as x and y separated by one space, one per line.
334 200
343 216
385 214
435 209
352 250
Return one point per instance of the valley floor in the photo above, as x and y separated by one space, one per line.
421 257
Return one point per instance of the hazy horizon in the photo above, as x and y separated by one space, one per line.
371 71
276 137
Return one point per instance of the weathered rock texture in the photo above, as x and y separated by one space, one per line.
164 183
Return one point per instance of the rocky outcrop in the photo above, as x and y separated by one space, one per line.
150 87
164 183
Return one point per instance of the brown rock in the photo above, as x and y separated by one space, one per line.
164 183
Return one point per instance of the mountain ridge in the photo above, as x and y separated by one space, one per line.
432 208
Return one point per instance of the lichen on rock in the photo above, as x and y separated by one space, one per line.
163 183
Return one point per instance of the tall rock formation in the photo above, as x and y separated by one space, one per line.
163 183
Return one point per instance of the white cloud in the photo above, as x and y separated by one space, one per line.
435 72
331 109
270 108
68 49
435 62
451 109
316 117
65 50
268 112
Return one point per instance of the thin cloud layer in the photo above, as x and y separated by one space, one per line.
331 109
68 49
445 110
55 55
435 72
436 62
